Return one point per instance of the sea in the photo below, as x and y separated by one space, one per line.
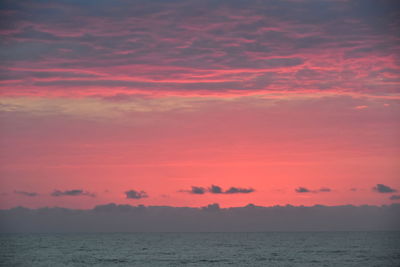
364 249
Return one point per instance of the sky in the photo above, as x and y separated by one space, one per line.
187 103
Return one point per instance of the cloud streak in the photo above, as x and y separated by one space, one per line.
215 189
133 194
384 189
306 190
395 197
196 190
27 194
139 48
72 193
239 190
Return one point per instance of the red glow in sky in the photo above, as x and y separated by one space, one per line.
286 102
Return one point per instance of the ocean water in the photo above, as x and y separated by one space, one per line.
202 249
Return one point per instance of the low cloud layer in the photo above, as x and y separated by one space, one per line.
325 189
197 190
27 194
306 190
381 188
238 190
215 189
302 190
395 197
133 194
212 218
72 193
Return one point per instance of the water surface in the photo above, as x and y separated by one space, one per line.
202 249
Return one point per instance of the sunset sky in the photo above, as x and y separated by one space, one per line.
192 102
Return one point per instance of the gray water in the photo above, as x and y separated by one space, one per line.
202 249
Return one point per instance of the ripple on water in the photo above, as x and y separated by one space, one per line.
203 249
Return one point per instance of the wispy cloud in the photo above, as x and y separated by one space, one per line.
73 193
197 190
27 194
256 49
395 197
239 190
302 190
306 190
381 188
325 189
215 189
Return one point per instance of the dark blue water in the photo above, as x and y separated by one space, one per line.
202 249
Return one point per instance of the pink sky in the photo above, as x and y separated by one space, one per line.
163 96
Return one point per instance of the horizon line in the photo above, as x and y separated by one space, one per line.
215 205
